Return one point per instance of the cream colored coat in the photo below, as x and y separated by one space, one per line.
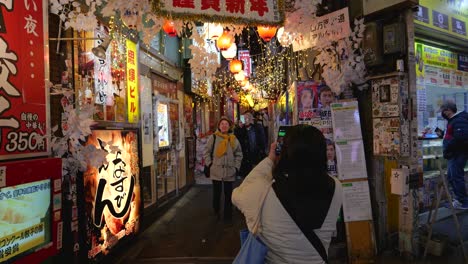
284 239
223 168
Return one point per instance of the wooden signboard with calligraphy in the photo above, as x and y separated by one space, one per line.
266 12
23 100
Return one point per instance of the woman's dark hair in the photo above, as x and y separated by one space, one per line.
303 159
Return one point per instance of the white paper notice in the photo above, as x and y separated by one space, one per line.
356 201
346 121
351 160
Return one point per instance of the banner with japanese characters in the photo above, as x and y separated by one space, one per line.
268 12
23 103
113 199
330 27
132 82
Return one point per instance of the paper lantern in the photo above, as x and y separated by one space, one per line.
230 53
214 31
266 33
224 41
284 38
169 28
240 76
235 66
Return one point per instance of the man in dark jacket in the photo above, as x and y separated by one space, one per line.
252 138
456 151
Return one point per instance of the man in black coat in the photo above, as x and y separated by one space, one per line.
252 138
455 149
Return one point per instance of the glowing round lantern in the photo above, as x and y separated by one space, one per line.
266 33
240 76
224 41
169 28
284 38
235 66
230 53
214 30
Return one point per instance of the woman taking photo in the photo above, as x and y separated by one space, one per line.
223 154
298 215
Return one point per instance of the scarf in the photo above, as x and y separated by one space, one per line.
222 146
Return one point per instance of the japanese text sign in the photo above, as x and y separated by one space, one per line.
330 27
114 196
236 11
132 82
23 112
244 56
439 57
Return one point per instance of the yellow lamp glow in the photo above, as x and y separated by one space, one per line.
224 41
235 66
230 53
266 33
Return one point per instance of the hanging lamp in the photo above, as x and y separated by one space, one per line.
169 28
284 38
230 53
240 76
214 30
235 66
224 41
266 33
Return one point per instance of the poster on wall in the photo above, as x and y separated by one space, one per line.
24 113
307 100
30 216
387 136
163 125
356 201
385 94
113 199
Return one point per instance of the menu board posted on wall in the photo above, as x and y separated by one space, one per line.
24 113
356 201
346 121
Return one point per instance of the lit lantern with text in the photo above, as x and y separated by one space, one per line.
235 66
266 33
214 30
169 28
230 53
284 38
224 41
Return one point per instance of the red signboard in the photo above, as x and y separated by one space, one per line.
23 113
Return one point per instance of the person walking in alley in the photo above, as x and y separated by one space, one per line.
298 216
455 150
251 135
223 153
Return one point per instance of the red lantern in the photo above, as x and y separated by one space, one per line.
235 66
266 33
224 41
169 28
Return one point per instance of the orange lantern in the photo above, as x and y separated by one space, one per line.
169 28
224 41
235 66
266 33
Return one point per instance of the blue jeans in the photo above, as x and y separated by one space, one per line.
456 177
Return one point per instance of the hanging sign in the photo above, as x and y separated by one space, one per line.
132 82
439 57
244 56
463 62
23 99
330 27
449 17
267 12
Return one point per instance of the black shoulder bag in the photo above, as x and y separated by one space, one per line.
206 169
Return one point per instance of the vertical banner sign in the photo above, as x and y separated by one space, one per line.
23 112
244 56
132 82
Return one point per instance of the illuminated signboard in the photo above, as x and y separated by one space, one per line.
132 82
24 218
163 125
113 198
23 105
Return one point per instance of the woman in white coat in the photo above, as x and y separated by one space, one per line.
223 153
299 213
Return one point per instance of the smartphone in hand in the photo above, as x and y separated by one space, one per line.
280 139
